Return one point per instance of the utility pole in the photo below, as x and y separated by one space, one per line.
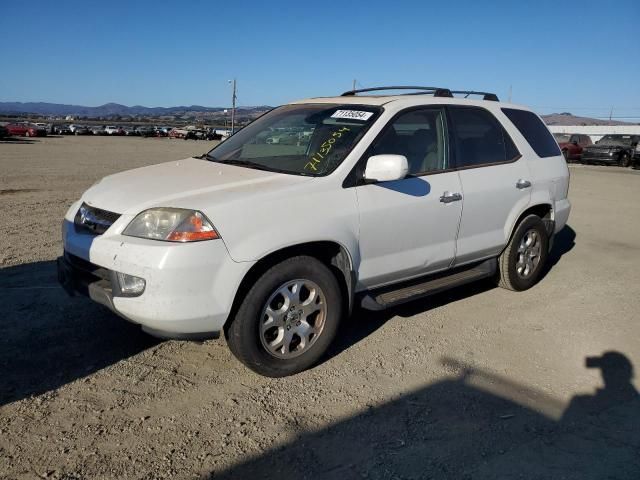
610 113
354 84
233 107
509 93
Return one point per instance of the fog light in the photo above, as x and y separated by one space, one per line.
130 285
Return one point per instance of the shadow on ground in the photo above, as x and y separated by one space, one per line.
17 140
48 339
475 425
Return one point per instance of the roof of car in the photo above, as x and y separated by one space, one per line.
417 99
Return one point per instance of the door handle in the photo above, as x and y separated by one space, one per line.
523 184
448 197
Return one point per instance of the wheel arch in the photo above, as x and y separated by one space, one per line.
542 210
333 254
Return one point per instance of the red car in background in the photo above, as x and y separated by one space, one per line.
572 144
25 130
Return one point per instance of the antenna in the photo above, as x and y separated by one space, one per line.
233 107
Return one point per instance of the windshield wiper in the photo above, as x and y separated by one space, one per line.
245 163
256 165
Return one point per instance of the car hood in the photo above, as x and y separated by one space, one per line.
189 183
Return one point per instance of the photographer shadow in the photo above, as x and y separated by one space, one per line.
474 425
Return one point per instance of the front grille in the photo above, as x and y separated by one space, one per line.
94 220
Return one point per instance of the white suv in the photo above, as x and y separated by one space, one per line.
365 199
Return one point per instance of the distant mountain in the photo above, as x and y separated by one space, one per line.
108 109
116 109
566 118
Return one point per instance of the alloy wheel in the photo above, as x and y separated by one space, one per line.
293 318
528 255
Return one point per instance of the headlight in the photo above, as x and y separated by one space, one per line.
172 225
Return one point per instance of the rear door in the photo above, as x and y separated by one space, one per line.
495 181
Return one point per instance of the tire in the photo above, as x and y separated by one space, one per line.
625 160
565 154
517 270
279 350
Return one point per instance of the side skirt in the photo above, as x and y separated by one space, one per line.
390 296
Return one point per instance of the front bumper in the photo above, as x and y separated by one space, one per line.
598 157
190 288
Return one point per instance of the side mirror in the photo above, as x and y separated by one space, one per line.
386 168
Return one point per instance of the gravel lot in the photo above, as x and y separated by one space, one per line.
476 383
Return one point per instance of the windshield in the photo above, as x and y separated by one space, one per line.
306 139
616 140
561 137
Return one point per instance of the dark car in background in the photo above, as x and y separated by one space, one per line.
147 131
82 130
618 149
572 144
62 130
3 131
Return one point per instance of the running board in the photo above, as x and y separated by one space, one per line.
391 296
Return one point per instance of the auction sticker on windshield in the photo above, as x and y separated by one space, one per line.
352 114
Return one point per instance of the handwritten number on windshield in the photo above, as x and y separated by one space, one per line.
325 149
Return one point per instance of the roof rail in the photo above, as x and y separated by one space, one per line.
485 95
436 91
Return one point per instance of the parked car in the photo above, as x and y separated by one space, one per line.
62 130
636 156
82 130
391 198
113 130
97 130
618 149
147 131
129 131
572 144
196 134
3 131
43 127
24 130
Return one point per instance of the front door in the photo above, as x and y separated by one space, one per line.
408 227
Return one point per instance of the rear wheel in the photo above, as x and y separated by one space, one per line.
520 264
625 160
288 319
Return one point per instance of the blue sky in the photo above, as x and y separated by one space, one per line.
577 56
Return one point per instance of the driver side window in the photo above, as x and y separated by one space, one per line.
419 135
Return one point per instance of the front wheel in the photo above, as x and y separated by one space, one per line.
520 264
288 319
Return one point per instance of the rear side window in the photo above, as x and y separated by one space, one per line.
534 131
480 138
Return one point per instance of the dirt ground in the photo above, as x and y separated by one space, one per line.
475 383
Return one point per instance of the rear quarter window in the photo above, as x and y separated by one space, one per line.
534 131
